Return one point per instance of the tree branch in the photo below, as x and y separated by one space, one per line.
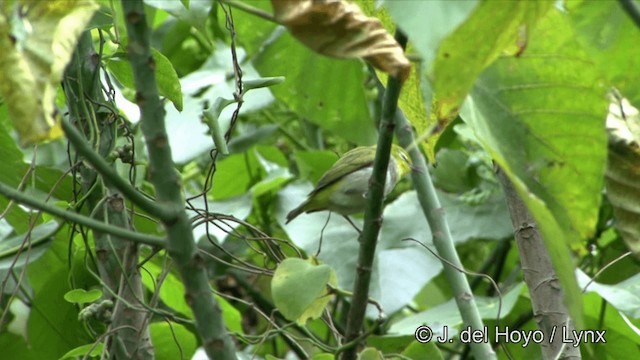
547 299
104 169
442 240
24 199
166 180
373 213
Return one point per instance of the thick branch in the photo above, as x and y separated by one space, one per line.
373 213
181 245
442 240
547 299
24 199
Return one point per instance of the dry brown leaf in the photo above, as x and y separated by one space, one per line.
340 29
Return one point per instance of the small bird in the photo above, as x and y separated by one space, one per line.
343 188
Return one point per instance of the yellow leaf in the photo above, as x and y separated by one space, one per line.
340 29
37 42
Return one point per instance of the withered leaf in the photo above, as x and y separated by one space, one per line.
340 29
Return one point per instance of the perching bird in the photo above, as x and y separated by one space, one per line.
343 188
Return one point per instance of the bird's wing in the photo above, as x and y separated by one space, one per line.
351 161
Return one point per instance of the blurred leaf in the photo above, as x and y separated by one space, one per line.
494 27
621 338
168 82
262 82
427 23
232 316
36 46
337 103
623 172
54 328
452 173
541 117
487 219
276 177
195 14
299 288
29 246
624 296
448 315
340 29
250 137
172 290
172 341
313 164
419 351
608 34
370 353
84 351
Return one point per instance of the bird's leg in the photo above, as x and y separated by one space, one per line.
352 224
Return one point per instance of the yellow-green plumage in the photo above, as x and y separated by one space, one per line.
343 187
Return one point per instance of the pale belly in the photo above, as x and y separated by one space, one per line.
351 198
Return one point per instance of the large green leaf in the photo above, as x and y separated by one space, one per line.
53 323
610 38
328 92
541 117
27 247
168 82
299 288
172 341
493 27
447 315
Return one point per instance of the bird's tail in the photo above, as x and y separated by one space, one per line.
295 212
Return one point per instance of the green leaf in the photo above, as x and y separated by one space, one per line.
172 290
608 34
262 82
172 341
622 339
84 351
541 117
36 46
427 23
337 103
492 27
29 246
370 354
232 316
54 328
624 296
421 351
166 76
448 315
81 296
195 14
299 289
